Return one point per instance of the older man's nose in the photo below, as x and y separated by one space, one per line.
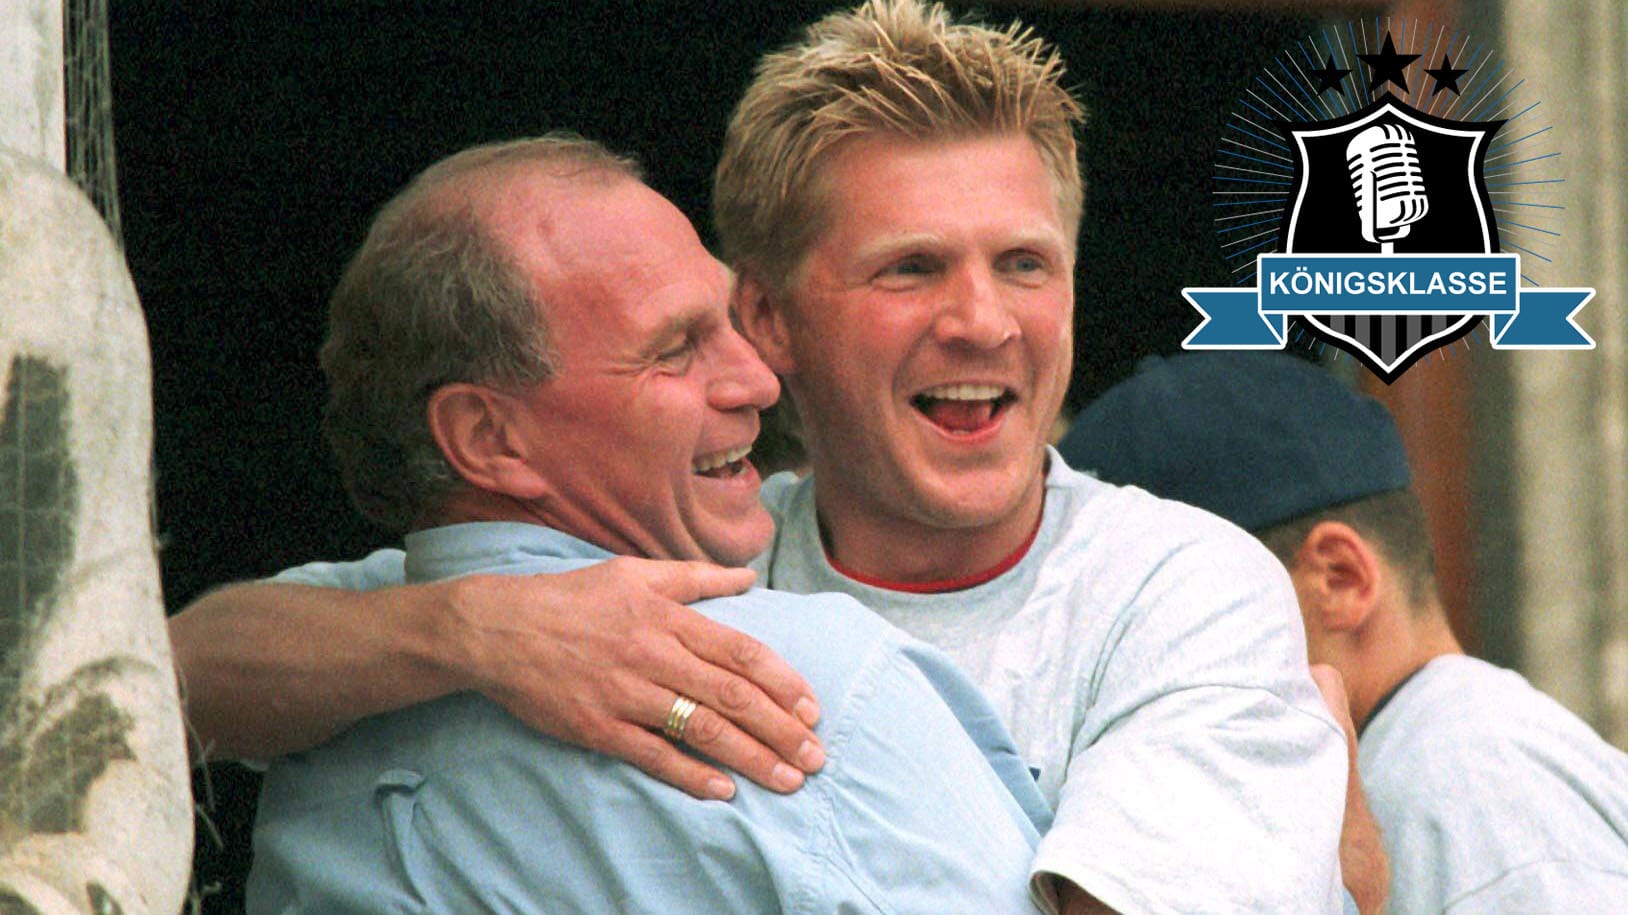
742 379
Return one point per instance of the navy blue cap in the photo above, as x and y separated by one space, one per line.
1258 438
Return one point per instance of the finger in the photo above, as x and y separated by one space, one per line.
688 582
714 735
658 758
763 727
761 668
667 664
1332 686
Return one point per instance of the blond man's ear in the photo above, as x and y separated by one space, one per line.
764 321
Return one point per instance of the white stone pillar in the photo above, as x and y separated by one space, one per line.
95 803
1567 426
32 109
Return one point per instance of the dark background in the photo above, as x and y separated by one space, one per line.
255 140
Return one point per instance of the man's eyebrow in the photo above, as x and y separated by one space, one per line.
897 244
673 328
927 242
669 329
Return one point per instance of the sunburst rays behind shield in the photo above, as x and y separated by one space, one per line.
1255 166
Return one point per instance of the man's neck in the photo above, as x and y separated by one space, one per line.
1389 655
882 548
471 506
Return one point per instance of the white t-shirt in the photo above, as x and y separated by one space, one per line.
1493 798
1150 660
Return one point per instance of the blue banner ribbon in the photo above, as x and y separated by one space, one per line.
1388 284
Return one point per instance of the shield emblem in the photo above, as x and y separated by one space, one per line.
1389 179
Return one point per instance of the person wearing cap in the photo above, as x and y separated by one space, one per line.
1490 796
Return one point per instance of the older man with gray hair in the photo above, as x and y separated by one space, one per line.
532 369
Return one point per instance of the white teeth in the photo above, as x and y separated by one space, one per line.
714 461
964 392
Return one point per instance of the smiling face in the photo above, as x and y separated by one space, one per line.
641 438
927 340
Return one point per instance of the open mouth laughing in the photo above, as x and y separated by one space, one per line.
963 409
723 465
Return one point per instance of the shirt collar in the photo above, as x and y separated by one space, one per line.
457 549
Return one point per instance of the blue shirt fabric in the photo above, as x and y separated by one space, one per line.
454 806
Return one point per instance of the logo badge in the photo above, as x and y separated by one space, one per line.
1387 235
1385 179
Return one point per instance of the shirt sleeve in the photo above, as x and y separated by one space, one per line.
920 819
379 569
1205 774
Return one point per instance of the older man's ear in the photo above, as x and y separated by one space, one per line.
480 433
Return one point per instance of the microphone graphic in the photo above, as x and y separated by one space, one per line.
1384 164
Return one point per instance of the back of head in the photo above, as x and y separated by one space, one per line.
897 67
1270 442
1257 438
430 299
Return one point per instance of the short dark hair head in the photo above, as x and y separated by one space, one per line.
1394 522
1257 438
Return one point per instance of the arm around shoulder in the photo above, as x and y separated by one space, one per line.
269 668
593 657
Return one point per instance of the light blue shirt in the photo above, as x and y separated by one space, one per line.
454 806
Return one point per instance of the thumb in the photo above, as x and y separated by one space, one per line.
1332 686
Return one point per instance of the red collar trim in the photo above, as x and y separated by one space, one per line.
945 585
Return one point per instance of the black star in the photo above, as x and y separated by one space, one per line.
1330 77
1387 66
1445 76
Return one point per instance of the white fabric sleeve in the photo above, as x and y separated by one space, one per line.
1548 886
1205 773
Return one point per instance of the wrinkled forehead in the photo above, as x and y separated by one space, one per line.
614 250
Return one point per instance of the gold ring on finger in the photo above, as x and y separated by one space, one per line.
678 718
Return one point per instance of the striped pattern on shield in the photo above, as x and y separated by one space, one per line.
1389 179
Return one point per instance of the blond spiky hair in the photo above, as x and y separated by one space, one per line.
899 67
